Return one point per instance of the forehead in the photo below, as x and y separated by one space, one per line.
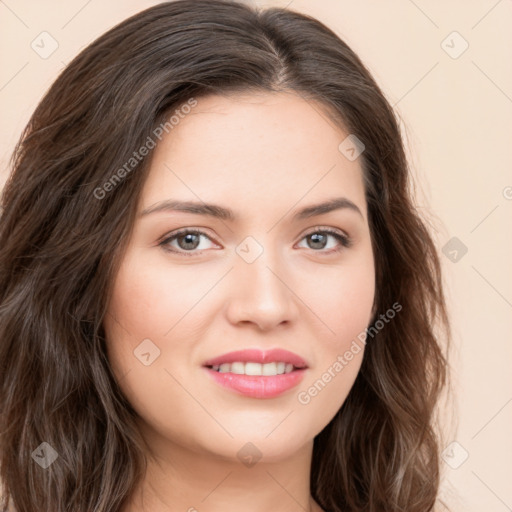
243 149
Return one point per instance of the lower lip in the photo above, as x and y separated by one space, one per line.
256 386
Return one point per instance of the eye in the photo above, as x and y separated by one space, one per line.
187 240
319 240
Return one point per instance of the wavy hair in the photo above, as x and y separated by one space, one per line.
60 247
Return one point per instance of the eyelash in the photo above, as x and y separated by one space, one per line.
345 241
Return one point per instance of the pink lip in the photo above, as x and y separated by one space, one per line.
256 386
259 356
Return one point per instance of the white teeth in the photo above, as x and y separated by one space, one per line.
253 369
269 369
250 368
237 368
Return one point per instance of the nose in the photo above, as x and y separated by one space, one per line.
261 294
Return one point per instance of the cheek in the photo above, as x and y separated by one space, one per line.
343 301
154 301
149 299
341 298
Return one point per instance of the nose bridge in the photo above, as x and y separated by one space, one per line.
262 294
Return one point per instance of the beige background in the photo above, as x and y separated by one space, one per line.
457 118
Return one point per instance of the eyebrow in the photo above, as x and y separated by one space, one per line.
223 213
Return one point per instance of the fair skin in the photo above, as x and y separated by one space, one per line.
264 156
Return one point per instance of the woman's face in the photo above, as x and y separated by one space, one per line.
263 278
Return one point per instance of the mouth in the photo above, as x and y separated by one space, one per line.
257 374
257 362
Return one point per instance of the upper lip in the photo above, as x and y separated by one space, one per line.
258 356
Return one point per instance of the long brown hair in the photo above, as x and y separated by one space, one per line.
61 242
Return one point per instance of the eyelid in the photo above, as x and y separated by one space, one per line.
326 229
180 231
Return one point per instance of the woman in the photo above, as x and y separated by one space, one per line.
215 291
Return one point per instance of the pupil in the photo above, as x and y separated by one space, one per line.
188 237
315 238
